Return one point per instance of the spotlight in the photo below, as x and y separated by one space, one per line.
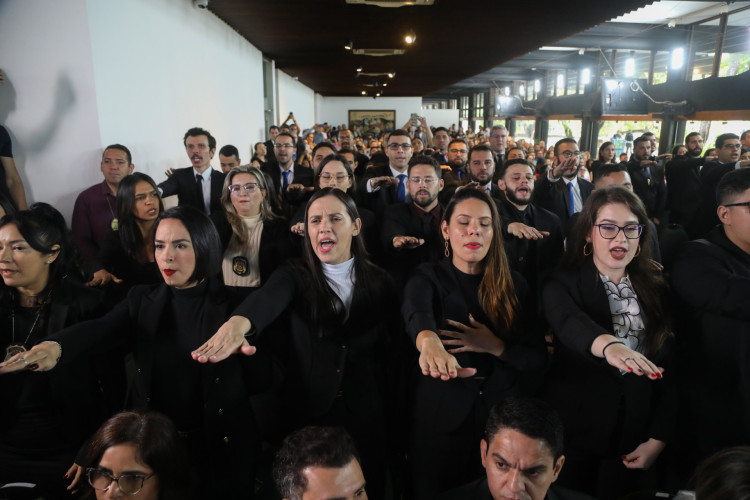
410 37
391 75
359 69
349 45
364 92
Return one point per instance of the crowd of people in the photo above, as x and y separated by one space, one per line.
417 297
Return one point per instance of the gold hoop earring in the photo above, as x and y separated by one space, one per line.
447 249
591 249
637 252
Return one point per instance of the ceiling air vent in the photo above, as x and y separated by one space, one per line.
378 52
390 3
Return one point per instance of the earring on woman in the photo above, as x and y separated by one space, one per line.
591 249
447 249
637 252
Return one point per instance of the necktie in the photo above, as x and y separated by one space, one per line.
285 182
571 200
199 190
401 188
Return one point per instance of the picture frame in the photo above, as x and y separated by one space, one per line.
374 122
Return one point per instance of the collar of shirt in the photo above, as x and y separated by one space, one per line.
574 181
395 173
206 173
436 212
291 169
105 189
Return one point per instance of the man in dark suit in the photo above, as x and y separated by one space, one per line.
440 140
454 169
522 454
386 184
561 191
711 279
533 236
198 186
273 131
684 180
411 231
289 180
480 168
647 174
498 142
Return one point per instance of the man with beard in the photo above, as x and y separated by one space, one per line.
647 174
498 142
440 139
386 184
533 236
198 186
684 181
284 173
411 231
481 169
561 191
454 170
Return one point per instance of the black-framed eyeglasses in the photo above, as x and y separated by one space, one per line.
129 483
571 154
427 181
250 187
395 146
610 231
741 204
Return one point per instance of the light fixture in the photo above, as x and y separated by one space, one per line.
377 94
537 86
522 89
349 45
410 37
586 76
506 91
678 56
385 84
581 52
560 80
391 75
359 69
629 66
364 92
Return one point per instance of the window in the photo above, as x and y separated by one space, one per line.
735 58
479 105
464 111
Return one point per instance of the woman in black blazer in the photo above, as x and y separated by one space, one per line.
254 239
471 304
340 313
162 324
610 378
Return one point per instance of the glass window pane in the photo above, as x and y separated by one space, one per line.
735 58
572 81
661 65
704 45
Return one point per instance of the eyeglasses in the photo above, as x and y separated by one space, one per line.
731 146
610 231
498 136
249 188
283 146
395 147
428 181
742 204
456 151
339 178
571 154
130 484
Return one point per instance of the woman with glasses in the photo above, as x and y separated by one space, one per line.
161 325
255 241
611 377
126 257
137 455
465 317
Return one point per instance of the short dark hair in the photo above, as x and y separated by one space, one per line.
457 140
606 169
122 148
723 138
744 135
691 134
286 134
425 160
328 447
205 238
648 134
481 147
564 140
197 131
230 150
531 417
640 139
515 161
725 475
157 445
399 133
732 185
273 127
440 129
324 144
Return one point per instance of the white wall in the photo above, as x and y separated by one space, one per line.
335 110
48 102
440 117
296 98
163 66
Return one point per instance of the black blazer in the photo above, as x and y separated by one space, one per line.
378 200
275 248
711 174
349 362
182 183
553 196
604 413
229 430
711 280
653 193
433 295
302 175
683 197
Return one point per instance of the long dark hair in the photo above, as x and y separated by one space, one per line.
497 293
133 242
43 227
238 227
602 148
326 308
157 445
643 273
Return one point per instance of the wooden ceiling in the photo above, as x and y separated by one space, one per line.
456 39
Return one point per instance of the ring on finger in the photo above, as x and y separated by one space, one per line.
24 360
629 359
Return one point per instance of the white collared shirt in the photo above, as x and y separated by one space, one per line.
577 200
395 173
281 174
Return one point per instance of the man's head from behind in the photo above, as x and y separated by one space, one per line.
319 463
522 449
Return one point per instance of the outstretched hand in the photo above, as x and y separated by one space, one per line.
407 242
436 362
522 231
229 339
644 456
40 358
621 356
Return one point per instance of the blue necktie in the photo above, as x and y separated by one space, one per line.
571 199
401 188
285 182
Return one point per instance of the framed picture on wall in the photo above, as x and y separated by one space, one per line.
373 122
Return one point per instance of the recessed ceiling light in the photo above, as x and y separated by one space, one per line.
349 45
364 92
410 37
359 69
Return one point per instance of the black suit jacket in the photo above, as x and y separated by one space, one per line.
711 279
711 174
553 196
604 413
683 197
378 200
302 175
651 190
182 183
433 295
